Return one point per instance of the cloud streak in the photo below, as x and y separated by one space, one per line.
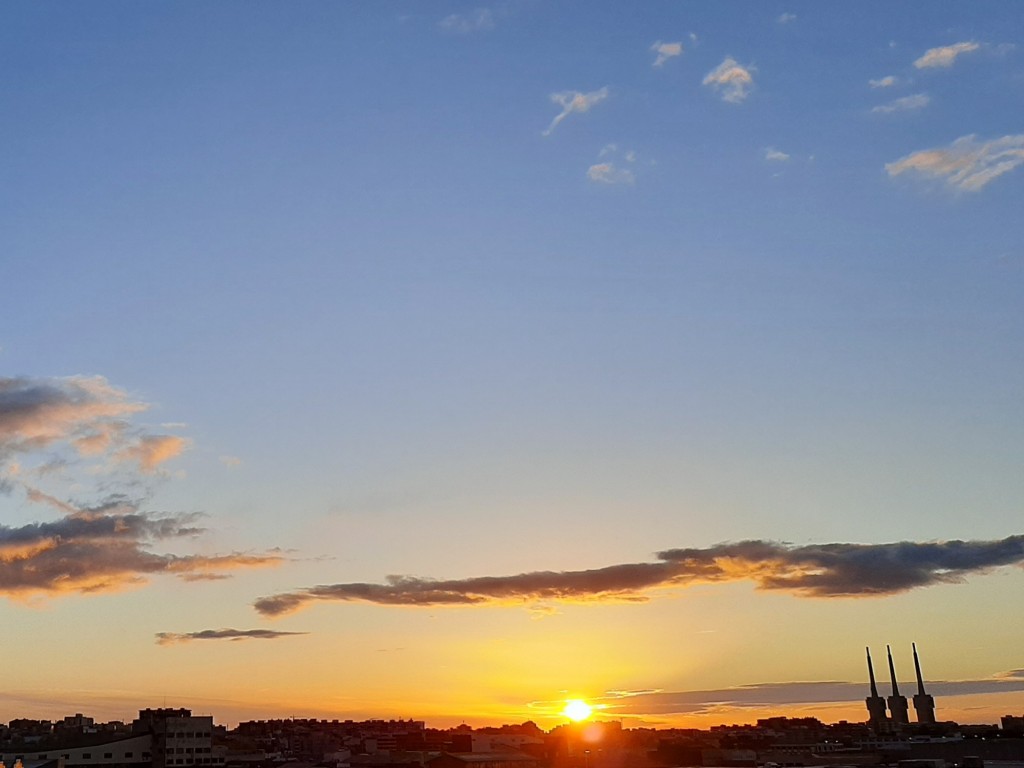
904 104
231 635
574 102
967 164
733 81
823 570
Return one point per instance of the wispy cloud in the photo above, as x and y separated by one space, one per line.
733 81
610 169
965 165
231 461
823 570
883 82
574 101
904 104
775 156
609 173
945 55
104 547
477 20
231 635
665 51
785 18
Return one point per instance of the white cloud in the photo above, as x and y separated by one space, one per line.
883 82
944 56
905 104
775 155
574 101
231 461
478 20
665 52
609 173
785 18
966 164
733 81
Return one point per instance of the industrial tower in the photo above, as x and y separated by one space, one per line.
876 704
897 704
924 705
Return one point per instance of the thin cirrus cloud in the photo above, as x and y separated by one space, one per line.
945 56
574 102
231 635
665 51
822 570
775 155
904 104
966 165
731 80
103 548
477 20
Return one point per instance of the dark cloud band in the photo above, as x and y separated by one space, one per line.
821 570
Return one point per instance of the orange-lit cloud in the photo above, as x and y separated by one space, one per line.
85 416
104 548
34 413
820 570
150 451
232 635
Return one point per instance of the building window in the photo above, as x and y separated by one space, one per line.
87 755
107 755
129 754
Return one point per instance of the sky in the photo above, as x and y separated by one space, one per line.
450 360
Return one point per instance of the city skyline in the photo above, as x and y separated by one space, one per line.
456 360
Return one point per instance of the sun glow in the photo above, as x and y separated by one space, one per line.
577 710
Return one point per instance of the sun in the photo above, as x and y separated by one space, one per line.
577 710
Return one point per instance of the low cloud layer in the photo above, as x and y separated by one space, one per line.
821 570
769 695
574 102
103 548
967 164
731 80
945 56
231 635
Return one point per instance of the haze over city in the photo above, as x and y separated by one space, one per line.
457 361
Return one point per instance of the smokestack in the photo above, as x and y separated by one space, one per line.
924 705
875 703
897 704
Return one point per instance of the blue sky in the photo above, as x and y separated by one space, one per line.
456 290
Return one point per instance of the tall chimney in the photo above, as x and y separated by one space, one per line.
897 704
875 703
924 705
